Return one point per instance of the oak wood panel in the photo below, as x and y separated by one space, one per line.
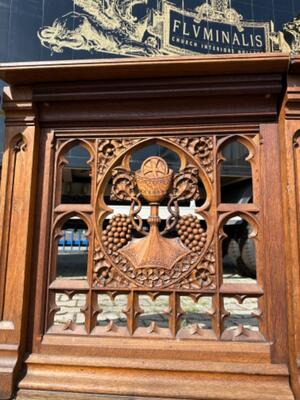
273 234
213 99
179 385
192 101
17 210
293 256
181 350
290 178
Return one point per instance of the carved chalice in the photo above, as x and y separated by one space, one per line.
154 181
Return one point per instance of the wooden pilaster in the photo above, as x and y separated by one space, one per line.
290 161
16 220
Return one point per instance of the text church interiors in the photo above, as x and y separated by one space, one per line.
152 237
56 30
149 28
80 29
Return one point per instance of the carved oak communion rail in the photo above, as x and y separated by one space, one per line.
210 336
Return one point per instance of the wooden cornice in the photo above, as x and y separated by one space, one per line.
165 90
25 73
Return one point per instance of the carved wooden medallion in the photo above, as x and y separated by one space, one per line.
150 252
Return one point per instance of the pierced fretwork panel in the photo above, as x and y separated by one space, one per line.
196 317
111 309
236 172
109 313
154 313
67 312
242 316
76 182
162 240
155 231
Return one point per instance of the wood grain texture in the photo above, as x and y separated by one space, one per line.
16 214
193 107
289 137
238 380
64 71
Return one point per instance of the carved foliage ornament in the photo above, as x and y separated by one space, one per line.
202 149
154 253
108 150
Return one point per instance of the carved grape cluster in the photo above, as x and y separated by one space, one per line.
191 234
117 233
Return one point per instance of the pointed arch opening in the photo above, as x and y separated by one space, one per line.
236 185
238 251
72 250
76 176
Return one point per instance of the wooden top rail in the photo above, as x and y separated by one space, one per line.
23 73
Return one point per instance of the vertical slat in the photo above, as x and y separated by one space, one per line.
175 313
133 311
273 236
216 199
72 240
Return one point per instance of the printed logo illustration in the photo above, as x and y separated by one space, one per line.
213 27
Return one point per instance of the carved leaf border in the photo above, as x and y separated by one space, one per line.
191 272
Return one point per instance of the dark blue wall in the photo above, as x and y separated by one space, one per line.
20 20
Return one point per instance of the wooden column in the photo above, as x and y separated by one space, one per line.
16 221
